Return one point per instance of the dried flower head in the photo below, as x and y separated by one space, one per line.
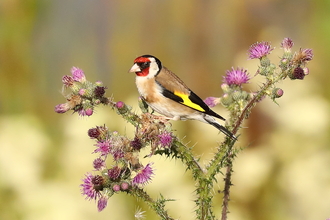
287 44
136 144
303 56
74 101
67 81
259 50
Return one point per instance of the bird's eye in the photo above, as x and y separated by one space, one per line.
144 65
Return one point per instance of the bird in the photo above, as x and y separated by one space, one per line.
169 96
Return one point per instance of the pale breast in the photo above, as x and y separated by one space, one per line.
147 88
152 93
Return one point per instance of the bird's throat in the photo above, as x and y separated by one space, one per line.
144 72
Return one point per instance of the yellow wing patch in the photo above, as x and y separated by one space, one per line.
188 102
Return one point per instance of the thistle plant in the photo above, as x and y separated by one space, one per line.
127 174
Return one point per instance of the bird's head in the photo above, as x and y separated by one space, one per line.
146 65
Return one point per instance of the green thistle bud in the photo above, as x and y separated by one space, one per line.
226 99
264 61
245 95
237 95
76 86
263 71
225 88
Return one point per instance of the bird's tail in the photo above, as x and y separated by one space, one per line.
221 128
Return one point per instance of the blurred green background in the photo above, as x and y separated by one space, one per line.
284 173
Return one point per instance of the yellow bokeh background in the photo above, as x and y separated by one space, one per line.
284 170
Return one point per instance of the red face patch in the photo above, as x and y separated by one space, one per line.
141 60
143 63
144 72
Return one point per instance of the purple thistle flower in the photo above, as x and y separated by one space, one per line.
102 203
62 108
287 44
259 50
99 164
104 147
236 77
212 101
114 173
143 176
78 74
117 153
165 139
91 186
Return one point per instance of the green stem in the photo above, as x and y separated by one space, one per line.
185 154
229 157
128 115
157 206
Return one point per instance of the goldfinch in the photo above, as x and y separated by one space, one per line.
167 94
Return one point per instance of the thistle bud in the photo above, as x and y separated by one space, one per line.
264 61
116 188
78 75
121 107
99 91
277 93
226 99
124 186
297 73
62 108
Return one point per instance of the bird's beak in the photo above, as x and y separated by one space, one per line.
135 68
